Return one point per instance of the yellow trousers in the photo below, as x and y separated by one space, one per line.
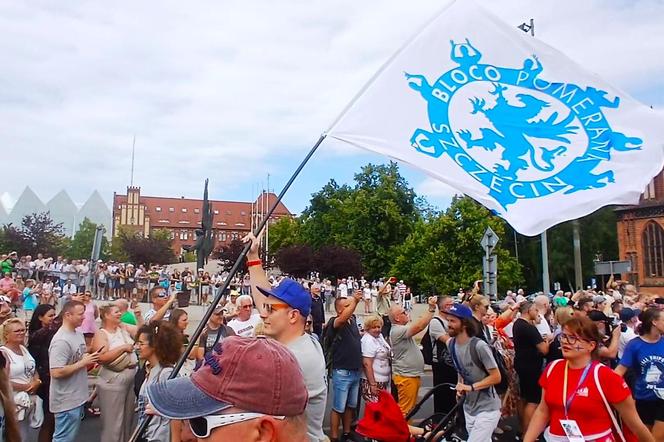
407 389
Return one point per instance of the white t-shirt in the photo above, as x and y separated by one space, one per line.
625 337
309 355
245 328
379 350
367 293
543 326
343 290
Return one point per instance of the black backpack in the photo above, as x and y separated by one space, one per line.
330 341
428 347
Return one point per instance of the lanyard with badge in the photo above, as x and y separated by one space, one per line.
570 427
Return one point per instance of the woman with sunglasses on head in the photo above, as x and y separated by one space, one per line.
577 391
645 356
159 344
479 304
43 325
22 374
180 319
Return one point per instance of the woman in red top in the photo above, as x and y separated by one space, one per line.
571 400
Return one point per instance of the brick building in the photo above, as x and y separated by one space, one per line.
641 238
182 216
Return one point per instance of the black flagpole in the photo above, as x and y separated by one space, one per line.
199 330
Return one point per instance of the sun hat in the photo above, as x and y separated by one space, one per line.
257 375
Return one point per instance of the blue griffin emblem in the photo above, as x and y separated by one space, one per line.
536 137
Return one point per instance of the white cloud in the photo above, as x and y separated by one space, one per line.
226 89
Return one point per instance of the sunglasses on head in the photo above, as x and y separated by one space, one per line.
201 427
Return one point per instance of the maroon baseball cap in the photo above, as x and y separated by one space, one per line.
256 375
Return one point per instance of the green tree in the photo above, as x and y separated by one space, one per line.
134 247
318 219
372 217
443 253
38 233
598 240
283 233
80 247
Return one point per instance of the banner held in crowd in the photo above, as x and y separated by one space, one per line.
507 120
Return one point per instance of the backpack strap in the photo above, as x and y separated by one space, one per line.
551 367
474 355
609 410
434 342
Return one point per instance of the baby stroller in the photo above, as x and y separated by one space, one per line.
383 421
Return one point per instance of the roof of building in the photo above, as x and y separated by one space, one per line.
63 210
185 212
27 204
96 210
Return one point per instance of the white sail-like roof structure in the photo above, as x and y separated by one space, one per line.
63 210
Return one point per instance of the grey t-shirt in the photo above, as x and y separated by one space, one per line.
482 400
408 360
67 348
159 428
309 355
436 330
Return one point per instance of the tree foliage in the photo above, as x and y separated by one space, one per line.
283 233
80 246
598 240
227 254
38 233
444 253
296 260
133 247
372 217
336 262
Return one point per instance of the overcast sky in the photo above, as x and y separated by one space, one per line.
235 90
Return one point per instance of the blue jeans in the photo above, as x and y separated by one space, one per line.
67 424
346 388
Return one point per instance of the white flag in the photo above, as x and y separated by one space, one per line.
507 120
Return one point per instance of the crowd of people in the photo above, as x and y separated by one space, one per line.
589 363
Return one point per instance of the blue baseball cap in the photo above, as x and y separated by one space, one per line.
460 311
292 293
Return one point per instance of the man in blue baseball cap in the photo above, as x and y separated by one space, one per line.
284 310
478 371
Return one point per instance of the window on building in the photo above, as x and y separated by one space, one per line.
197 210
184 210
234 235
653 250
223 236
172 234
157 209
243 213
171 209
216 212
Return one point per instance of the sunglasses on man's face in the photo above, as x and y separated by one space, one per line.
201 427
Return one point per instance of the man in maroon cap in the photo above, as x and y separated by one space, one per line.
250 390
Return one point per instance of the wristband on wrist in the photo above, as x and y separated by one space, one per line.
256 262
472 387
